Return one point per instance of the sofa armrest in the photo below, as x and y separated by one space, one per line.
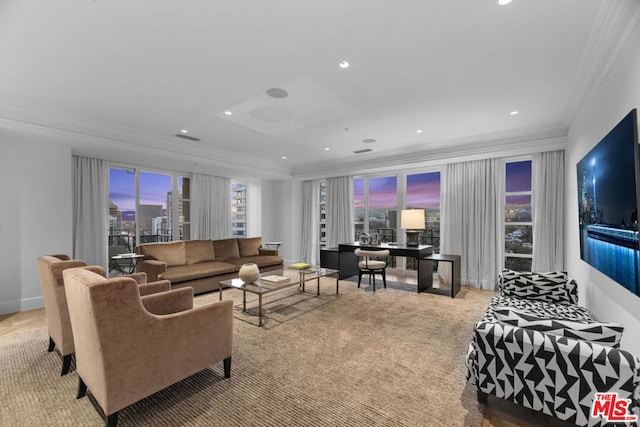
267 251
154 287
169 302
152 267
556 375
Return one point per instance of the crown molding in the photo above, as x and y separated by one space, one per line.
615 22
89 137
502 144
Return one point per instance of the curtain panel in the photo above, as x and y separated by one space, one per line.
210 207
548 211
90 209
470 220
339 220
310 251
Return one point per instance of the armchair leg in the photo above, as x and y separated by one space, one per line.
82 389
52 345
483 397
227 367
111 420
373 277
384 278
66 364
359 277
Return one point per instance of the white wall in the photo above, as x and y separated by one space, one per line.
618 94
35 215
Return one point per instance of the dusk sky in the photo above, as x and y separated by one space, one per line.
423 191
153 188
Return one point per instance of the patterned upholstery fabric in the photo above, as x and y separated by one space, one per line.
543 371
598 332
553 287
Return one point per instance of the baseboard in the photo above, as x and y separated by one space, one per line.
21 305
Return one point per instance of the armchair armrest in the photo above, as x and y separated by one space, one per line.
140 277
154 287
169 302
267 251
152 267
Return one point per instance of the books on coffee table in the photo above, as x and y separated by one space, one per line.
300 265
274 279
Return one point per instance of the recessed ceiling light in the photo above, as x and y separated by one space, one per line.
228 113
344 64
419 131
503 2
327 148
513 113
368 140
277 92
284 157
184 131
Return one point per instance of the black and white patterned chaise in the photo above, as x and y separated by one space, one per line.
536 347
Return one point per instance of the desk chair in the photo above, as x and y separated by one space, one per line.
372 267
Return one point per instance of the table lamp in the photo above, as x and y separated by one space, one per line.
412 220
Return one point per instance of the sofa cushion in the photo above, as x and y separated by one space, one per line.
199 251
250 246
172 252
226 249
592 331
550 287
196 271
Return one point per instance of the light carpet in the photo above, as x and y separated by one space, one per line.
389 358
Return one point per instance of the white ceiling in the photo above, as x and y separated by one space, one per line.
128 75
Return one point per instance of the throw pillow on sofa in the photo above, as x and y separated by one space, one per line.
551 287
593 331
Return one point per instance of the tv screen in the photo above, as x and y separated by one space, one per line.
608 205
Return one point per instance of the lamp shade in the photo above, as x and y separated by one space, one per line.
412 219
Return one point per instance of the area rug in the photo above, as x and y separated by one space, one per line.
389 358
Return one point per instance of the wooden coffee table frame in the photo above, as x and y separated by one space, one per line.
296 277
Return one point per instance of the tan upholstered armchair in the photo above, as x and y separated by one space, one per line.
128 347
50 269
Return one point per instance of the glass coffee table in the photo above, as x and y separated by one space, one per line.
295 278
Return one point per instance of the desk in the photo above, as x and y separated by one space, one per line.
348 262
454 260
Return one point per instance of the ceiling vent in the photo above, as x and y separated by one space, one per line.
190 138
365 150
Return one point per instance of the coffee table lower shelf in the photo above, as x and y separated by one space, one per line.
260 287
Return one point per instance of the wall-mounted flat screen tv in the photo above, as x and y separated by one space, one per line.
608 205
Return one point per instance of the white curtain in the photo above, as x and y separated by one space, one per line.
310 251
548 211
340 227
90 209
210 207
470 221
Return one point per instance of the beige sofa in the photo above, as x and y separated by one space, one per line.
202 264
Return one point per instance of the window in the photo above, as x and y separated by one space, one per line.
423 192
239 209
378 200
143 208
383 207
518 229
